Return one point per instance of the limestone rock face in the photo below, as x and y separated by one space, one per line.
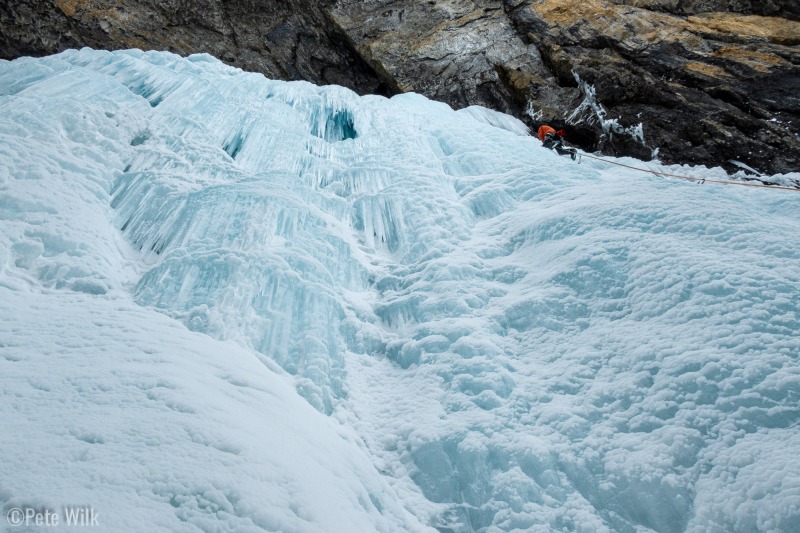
700 81
286 39
710 87
462 52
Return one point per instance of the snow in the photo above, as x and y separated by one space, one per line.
233 304
161 429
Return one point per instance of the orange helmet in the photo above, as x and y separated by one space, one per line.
544 130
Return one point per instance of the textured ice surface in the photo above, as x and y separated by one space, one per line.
514 341
157 428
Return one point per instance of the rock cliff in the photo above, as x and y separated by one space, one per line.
284 39
698 81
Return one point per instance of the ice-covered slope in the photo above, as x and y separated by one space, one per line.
108 404
501 339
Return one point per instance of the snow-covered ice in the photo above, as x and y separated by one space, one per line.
235 304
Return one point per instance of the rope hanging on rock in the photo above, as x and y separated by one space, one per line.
701 180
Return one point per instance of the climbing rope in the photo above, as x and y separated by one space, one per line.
701 180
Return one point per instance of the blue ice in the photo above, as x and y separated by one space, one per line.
522 343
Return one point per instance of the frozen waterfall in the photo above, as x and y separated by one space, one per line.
237 304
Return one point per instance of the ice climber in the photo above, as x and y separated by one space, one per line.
554 140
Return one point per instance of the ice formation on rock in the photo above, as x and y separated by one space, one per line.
514 341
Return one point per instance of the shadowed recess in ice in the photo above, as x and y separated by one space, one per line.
522 342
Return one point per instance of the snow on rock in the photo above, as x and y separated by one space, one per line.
502 339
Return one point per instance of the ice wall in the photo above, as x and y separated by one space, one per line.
519 342
110 405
